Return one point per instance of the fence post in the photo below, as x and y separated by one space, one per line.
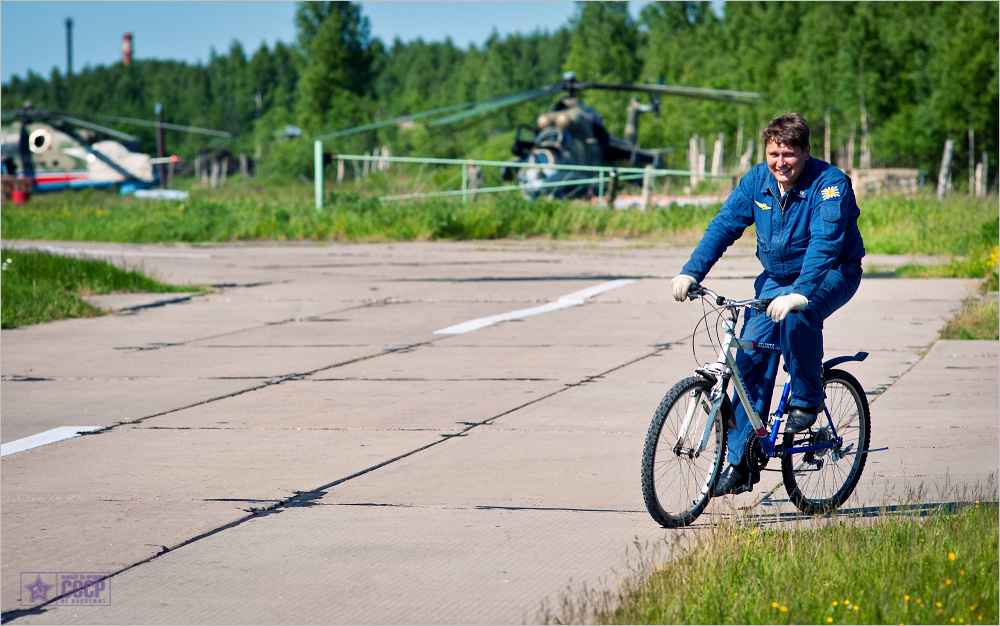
647 187
475 172
465 182
986 173
945 173
612 188
717 155
318 168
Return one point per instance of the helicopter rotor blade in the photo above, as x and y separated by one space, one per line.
498 104
94 127
137 122
403 118
394 120
724 95
477 107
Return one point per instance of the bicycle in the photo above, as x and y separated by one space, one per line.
686 443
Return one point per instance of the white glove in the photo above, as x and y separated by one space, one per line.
781 306
680 286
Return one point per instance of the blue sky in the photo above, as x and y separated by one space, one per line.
33 34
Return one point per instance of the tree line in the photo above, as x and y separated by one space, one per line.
883 84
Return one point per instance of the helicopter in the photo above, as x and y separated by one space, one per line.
572 133
46 150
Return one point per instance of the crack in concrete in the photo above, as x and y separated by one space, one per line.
308 498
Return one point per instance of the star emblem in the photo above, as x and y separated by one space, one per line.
39 590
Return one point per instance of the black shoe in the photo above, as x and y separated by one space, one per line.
800 419
734 480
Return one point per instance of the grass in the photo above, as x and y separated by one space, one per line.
960 227
41 287
978 319
937 569
214 216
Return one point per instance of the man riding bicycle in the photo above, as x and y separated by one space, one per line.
808 242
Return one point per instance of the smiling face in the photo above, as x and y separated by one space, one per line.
786 163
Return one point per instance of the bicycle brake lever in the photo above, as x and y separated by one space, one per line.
695 292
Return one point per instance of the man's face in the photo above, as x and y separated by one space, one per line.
786 163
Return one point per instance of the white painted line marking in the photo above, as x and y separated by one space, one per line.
42 439
573 299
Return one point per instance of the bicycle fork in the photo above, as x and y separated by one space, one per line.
721 372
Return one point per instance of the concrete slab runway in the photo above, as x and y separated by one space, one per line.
299 446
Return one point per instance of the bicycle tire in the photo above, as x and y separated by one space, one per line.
819 482
676 486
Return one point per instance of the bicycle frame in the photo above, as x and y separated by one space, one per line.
725 369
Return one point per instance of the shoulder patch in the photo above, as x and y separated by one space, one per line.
831 192
762 205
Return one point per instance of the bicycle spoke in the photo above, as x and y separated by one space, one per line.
675 481
825 484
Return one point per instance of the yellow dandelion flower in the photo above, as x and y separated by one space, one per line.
784 608
855 607
835 603
829 619
937 604
907 598
947 581
953 620
951 556
774 605
961 572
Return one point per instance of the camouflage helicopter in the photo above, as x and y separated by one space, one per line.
570 134
50 151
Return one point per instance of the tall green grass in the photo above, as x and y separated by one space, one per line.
960 227
209 217
40 287
895 569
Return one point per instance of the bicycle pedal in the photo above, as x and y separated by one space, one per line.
743 489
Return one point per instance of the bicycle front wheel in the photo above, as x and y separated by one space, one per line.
819 481
677 478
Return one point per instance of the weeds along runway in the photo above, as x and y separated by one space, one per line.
303 446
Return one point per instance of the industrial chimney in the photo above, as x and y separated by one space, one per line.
127 49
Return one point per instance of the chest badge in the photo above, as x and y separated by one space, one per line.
762 205
830 192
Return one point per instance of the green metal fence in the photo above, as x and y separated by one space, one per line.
602 175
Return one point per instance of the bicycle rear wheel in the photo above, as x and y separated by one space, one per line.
818 482
676 481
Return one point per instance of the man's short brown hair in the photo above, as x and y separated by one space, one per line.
790 129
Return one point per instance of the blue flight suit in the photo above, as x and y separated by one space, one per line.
808 242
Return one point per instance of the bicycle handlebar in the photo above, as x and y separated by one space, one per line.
698 291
